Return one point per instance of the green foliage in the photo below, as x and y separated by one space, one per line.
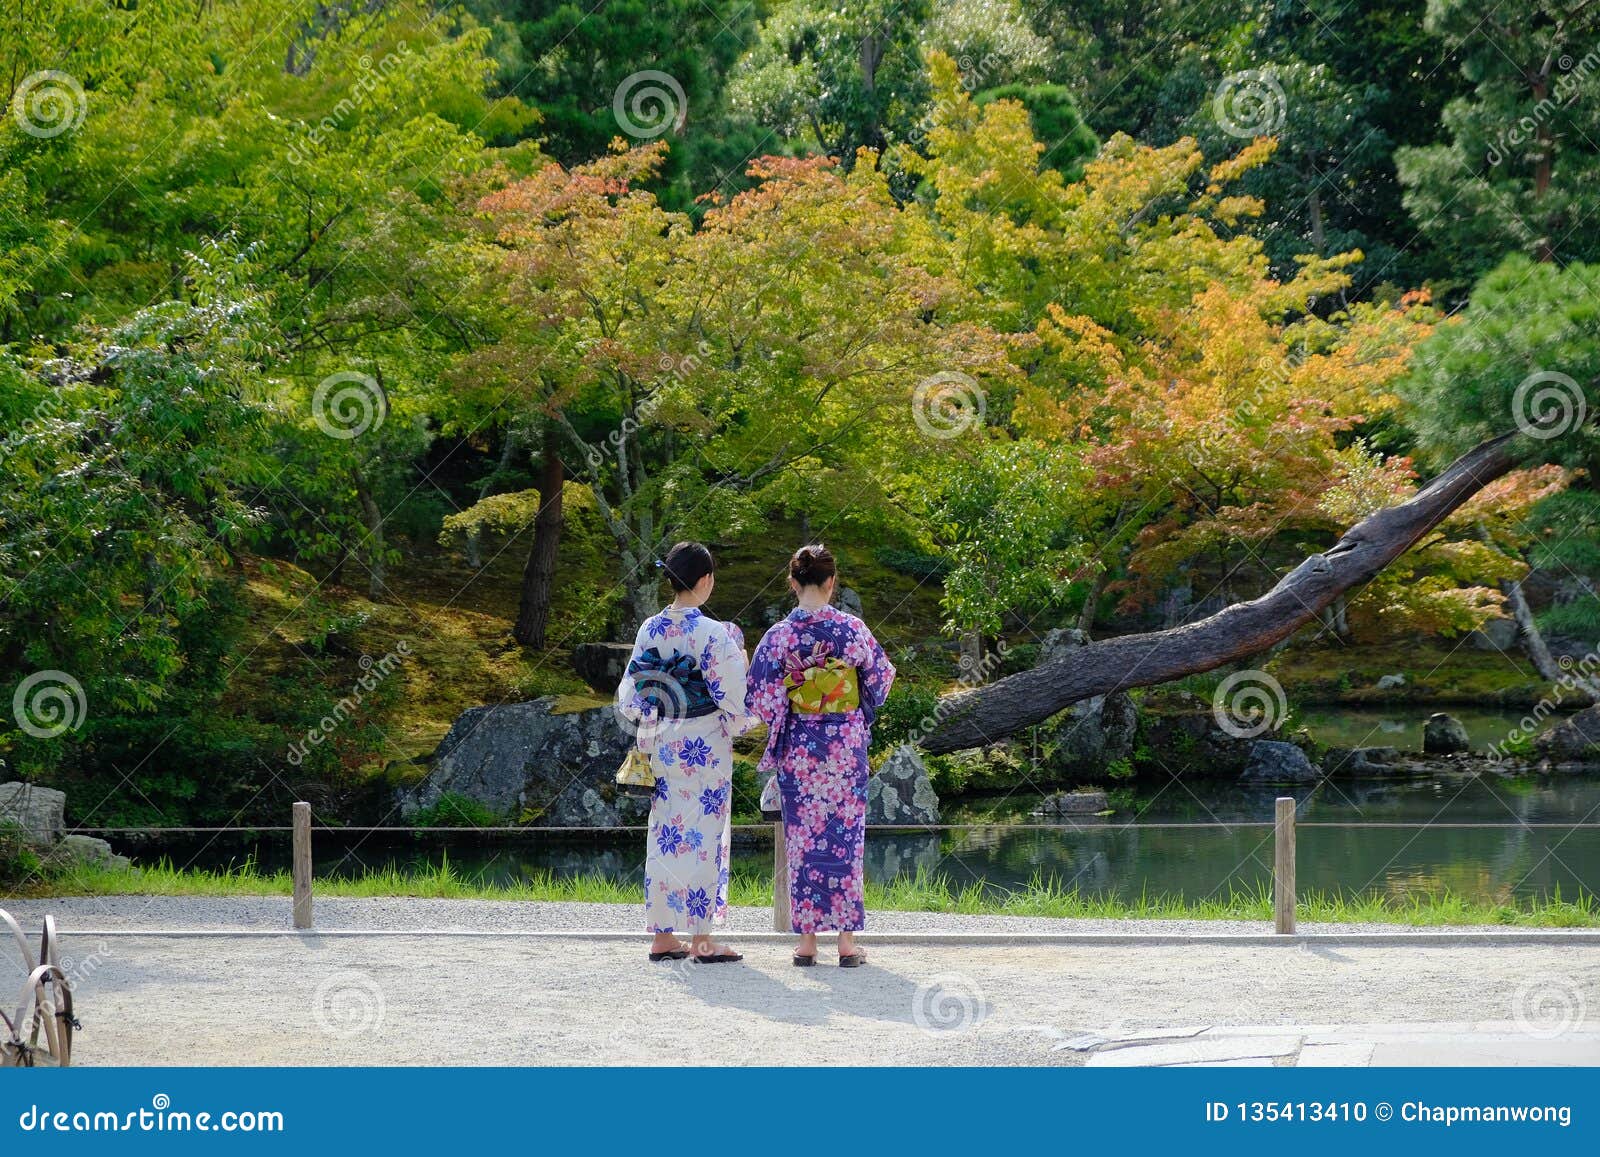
580 66
301 285
1056 121
902 717
913 562
118 507
1525 354
18 861
1579 619
454 810
1519 164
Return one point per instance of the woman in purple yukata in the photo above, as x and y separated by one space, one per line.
817 681
685 689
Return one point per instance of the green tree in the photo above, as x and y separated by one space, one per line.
637 69
1521 160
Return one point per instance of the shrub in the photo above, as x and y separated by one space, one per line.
1579 619
912 562
900 718
18 861
455 810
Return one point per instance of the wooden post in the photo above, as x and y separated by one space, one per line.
1283 867
302 865
781 921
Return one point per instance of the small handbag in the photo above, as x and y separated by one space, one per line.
636 777
771 800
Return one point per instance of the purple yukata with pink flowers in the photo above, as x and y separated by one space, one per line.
821 764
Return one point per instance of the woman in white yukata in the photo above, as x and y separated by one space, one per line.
685 688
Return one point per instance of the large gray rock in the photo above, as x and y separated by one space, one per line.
75 850
1390 682
1075 803
1444 735
1181 733
528 761
1059 641
1498 634
900 792
1576 739
601 664
1375 764
1088 737
39 811
848 601
1273 761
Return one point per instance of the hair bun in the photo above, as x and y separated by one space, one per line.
812 565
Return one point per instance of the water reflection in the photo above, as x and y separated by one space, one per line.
1122 855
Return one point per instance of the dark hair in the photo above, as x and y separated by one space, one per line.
812 565
686 564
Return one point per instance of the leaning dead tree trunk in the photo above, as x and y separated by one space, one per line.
973 718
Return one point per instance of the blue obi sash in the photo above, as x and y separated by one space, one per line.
675 688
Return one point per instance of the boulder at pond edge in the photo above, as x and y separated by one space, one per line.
1573 740
531 763
1444 735
900 791
1273 761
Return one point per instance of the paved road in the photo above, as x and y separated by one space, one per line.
415 998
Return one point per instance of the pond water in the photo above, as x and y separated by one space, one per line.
1401 726
1129 853
1123 855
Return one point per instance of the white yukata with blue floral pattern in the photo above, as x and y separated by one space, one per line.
686 861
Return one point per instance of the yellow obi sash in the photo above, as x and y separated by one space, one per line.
821 686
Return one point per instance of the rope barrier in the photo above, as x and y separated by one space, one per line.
1063 826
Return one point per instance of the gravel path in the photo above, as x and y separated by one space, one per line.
442 1000
402 913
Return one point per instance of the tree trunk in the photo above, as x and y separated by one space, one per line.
372 517
538 573
972 657
1091 604
1319 235
1543 168
1533 639
988 714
